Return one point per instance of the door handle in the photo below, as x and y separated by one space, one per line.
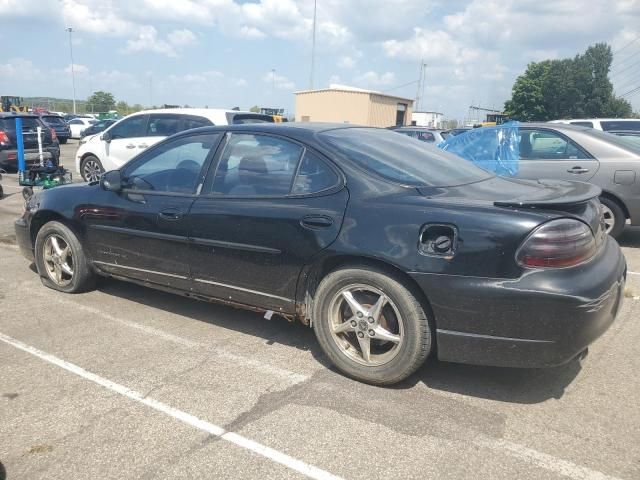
143 145
315 222
131 145
170 214
578 170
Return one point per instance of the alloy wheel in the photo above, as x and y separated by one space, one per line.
58 260
366 325
609 218
91 170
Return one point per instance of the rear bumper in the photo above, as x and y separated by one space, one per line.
542 319
9 158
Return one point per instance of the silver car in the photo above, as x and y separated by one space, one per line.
585 154
424 134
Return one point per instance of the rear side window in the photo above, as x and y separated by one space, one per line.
196 122
241 118
163 125
620 125
583 124
257 165
314 176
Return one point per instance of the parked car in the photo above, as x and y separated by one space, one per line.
63 132
569 152
458 131
97 127
605 124
30 124
424 134
78 125
390 249
125 139
631 135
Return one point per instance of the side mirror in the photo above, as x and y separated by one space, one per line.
111 181
106 136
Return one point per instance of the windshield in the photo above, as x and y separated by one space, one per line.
53 120
621 124
402 159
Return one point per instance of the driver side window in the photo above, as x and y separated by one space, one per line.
171 167
130 127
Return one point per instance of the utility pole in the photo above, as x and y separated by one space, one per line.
273 84
73 75
420 91
313 43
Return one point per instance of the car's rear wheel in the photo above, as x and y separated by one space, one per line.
61 261
91 169
614 217
370 325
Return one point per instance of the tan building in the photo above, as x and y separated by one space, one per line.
343 104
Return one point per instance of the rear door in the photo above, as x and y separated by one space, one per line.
546 153
268 207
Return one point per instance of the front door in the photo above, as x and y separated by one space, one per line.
126 141
268 207
142 231
548 154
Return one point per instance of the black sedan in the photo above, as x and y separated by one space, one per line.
389 249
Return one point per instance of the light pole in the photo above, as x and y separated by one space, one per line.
273 83
313 44
73 75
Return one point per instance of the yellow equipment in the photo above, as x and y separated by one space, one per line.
12 104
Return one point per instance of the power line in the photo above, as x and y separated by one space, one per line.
400 86
631 92
627 59
630 43
627 68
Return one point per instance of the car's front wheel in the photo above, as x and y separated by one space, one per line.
61 261
91 169
614 217
370 325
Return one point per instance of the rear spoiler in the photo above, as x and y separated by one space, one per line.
558 192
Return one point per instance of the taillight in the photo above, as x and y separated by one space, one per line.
54 136
556 244
4 139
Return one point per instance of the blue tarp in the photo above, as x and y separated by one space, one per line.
496 149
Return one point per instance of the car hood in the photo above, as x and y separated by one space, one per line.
502 191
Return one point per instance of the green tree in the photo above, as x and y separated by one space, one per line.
255 109
123 108
567 88
101 102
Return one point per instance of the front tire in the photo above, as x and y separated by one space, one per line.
61 261
370 325
614 217
91 169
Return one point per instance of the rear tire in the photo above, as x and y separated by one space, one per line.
91 169
62 140
61 261
614 216
370 325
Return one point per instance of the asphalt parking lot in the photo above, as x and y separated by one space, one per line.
128 382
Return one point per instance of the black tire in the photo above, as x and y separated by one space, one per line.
619 218
62 140
85 167
411 351
83 278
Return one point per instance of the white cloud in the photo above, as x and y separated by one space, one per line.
281 82
16 67
147 40
96 17
78 69
374 79
334 79
346 62
241 82
181 38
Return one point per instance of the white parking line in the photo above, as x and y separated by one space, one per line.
633 273
243 442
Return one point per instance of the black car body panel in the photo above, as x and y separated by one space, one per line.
9 150
270 253
58 124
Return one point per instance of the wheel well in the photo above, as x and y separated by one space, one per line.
40 219
322 268
620 203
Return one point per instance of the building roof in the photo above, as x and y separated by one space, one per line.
346 88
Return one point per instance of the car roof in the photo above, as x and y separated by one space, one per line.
556 126
605 119
21 114
293 129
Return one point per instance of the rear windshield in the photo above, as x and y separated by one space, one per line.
240 118
621 141
28 123
53 120
402 159
620 125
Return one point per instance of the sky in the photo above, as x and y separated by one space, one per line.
227 53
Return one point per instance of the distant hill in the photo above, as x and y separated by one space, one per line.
56 104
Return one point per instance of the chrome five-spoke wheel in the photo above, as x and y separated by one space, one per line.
366 325
609 218
58 260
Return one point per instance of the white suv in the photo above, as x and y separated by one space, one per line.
128 137
606 124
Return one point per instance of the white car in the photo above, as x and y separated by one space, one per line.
133 134
605 124
78 125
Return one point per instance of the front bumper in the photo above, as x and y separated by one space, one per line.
544 318
23 239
